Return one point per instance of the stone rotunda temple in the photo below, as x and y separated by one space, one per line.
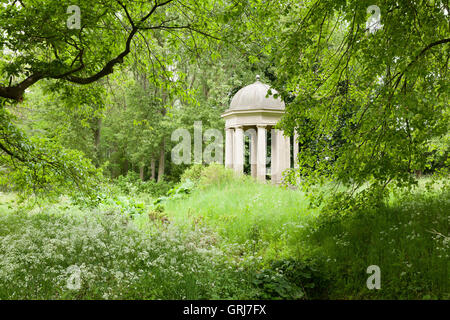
254 113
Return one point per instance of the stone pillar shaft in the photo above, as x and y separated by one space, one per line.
262 153
281 155
229 137
286 152
296 151
253 152
238 151
274 156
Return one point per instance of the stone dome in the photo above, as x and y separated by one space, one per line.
253 96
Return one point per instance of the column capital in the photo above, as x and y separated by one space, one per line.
261 125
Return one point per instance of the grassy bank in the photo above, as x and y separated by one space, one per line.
408 238
68 253
242 211
228 237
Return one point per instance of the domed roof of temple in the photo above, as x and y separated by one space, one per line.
254 95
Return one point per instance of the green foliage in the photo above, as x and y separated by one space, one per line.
261 217
210 246
205 176
307 274
35 45
274 285
178 192
155 188
137 123
114 260
197 177
129 207
123 119
326 255
408 240
157 215
216 174
293 279
131 184
368 107
193 173
72 115
42 167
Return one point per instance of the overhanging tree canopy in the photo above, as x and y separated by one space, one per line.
368 106
36 43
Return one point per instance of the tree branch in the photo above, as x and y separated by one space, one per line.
16 92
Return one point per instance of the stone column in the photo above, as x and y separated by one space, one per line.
253 152
229 137
295 150
274 156
287 152
281 156
262 153
238 151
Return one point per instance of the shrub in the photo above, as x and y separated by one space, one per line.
292 279
177 192
408 240
274 285
193 173
132 184
104 256
128 183
216 174
154 188
158 215
307 274
204 176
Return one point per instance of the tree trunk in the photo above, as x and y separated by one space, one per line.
97 130
126 167
141 173
153 169
161 162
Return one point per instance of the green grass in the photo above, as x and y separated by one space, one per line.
42 253
244 211
230 238
7 202
407 238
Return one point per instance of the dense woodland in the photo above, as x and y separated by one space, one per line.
89 101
